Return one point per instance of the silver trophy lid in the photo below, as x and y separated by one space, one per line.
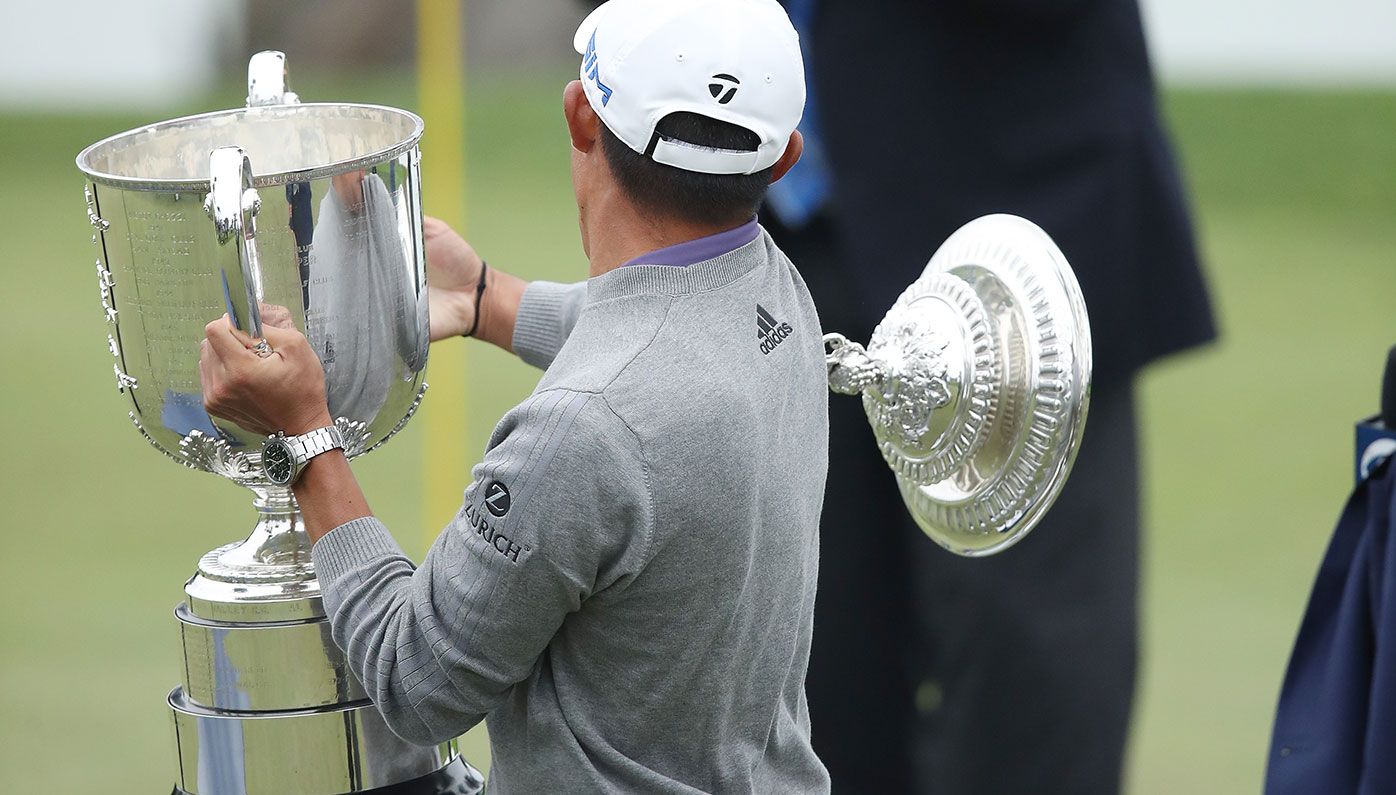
976 384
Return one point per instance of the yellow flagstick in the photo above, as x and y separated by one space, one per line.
441 100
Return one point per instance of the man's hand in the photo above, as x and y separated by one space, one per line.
453 273
283 392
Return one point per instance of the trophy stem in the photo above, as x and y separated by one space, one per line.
279 539
276 552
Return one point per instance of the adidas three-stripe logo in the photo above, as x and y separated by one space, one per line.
770 331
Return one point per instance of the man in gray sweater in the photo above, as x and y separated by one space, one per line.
626 595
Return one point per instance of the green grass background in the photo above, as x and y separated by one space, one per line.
1247 445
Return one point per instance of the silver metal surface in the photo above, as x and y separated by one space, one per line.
124 382
343 261
976 384
267 80
251 602
336 252
324 236
232 204
287 144
268 665
341 749
320 440
93 218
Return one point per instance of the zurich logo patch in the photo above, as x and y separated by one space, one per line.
497 498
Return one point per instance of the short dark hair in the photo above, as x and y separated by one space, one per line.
690 195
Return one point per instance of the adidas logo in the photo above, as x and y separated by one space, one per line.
770 331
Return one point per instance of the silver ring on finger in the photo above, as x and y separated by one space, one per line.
262 349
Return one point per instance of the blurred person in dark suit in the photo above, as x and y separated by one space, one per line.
1013 674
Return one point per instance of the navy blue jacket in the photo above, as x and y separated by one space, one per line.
1335 730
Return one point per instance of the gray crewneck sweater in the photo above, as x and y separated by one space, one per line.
627 593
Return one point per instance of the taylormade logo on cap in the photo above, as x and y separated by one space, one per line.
737 61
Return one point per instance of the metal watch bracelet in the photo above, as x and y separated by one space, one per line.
313 443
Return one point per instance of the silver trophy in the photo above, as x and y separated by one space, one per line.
976 384
280 213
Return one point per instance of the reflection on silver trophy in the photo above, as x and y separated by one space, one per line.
976 384
283 214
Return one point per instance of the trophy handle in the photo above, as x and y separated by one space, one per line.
232 203
267 79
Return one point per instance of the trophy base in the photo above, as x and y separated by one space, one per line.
456 778
343 748
269 705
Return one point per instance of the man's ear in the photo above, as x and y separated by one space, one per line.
582 122
789 157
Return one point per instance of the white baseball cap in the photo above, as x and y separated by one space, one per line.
737 61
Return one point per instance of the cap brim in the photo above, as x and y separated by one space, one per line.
588 26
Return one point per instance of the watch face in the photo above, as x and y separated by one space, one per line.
277 462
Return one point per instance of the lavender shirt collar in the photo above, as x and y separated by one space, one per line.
702 249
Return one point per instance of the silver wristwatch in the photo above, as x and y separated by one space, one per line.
283 457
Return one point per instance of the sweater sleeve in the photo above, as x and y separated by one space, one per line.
546 316
558 510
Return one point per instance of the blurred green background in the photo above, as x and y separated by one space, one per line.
1247 445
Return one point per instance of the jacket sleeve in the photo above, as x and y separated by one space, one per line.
546 316
558 510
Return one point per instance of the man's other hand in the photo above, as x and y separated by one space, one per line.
453 272
283 392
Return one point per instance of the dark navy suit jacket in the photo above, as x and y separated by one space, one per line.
936 112
1335 731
